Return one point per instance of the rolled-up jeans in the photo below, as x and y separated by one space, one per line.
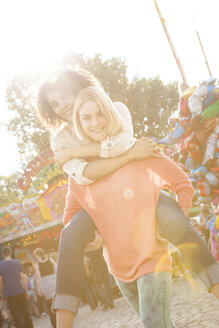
172 225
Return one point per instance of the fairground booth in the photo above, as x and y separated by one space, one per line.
36 219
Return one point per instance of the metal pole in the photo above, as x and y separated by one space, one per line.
171 44
206 61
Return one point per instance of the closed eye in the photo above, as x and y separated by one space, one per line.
85 118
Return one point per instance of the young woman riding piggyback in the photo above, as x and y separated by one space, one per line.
56 100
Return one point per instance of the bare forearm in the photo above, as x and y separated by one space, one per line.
24 282
98 169
142 149
64 155
86 150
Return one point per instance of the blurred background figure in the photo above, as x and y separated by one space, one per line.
213 226
179 269
5 315
13 287
31 285
89 293
53 256
101 278
205 217
45 269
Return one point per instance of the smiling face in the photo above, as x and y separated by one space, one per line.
62 102
93 121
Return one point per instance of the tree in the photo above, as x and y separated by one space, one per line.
9 190
151 103
112 73
21 99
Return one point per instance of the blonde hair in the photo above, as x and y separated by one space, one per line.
114 120
40 252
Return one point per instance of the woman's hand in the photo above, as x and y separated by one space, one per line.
144 148
96 244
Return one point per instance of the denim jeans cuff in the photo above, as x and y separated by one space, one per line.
210 276
65 302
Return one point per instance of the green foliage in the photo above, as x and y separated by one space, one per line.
112 73
21 99
9 190
151 103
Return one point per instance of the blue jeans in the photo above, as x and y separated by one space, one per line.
172 225
150 297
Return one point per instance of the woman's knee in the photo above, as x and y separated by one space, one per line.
78 232
170 218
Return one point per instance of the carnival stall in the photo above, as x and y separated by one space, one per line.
35 220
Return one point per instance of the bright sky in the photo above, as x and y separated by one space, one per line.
36 32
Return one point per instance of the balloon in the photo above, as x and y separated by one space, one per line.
195 105
211 145
213 93
199 172
204 200
189 91
211 111
212 179
191 163
177 134
202 90
203 187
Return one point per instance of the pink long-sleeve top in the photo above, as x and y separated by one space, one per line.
122 206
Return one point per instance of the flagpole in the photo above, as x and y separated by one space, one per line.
171 44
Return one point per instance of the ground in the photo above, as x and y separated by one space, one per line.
192 307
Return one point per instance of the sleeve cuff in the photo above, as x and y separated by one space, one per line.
77 173
106 146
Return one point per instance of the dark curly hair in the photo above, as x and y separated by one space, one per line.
79 79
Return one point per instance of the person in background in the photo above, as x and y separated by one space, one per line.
212 225
31 284
53 256
14 288
101 278
5 313
177 262
205 216
89 293
40 300
45 269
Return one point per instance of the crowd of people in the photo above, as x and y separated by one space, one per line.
116 201
35 286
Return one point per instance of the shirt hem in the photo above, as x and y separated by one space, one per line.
139 274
